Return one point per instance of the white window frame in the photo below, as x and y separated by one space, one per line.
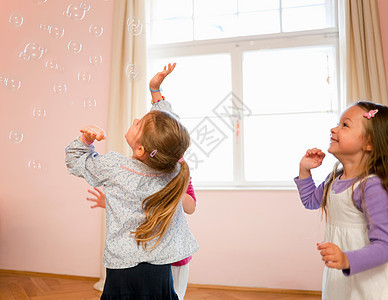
236 47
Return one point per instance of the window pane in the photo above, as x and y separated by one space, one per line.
250 6
215 27
295 3
203 8
171 31
304 18
275 144
161 9
201 82
196 87
289 80
259 22
210 155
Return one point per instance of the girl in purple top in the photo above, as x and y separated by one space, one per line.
355 201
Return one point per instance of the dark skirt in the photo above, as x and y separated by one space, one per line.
143 282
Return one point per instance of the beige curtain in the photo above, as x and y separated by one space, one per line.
365 70
128 86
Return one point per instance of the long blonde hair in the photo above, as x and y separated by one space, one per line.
162 132
376 131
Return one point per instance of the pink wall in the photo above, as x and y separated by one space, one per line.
247 238
46 224
256 239
383 10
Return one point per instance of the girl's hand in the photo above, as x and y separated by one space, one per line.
312 159
333 256
100 198
92 133
157 80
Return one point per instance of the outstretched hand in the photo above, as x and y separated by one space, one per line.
92 133
333 256
157 80
100 198
312 159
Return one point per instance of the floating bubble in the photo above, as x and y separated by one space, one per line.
134 26
16 20
85 6
12 83
40 2
132 71
3 80
56 31
39 112
44 27
75 12
96 30
95 60
16 136
74 47
90 103
60 88
84 76
36 165
32 51
52 65
24 56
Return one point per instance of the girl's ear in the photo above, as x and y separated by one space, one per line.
140 151
368 145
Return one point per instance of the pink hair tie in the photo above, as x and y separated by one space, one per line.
370 114
181 160
152 154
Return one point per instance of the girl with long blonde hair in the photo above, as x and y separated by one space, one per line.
146 227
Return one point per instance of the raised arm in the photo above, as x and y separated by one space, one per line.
157 101
157 80
310 195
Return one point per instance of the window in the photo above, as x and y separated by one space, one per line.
256 84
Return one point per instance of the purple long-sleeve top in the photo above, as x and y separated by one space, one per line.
375 203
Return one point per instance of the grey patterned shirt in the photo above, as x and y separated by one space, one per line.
127 182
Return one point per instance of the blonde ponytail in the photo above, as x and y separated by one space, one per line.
160 207
167 139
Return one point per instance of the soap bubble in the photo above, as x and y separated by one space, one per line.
40 2
95 60
16 136
95 30
56 31
134 26
60 88
36 165
74 47
90 103
132 71
3 80
33 51
84 76
12 83
39 112
52 65
75 12
16 20
44 27
85 6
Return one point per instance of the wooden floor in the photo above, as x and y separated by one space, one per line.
35 286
